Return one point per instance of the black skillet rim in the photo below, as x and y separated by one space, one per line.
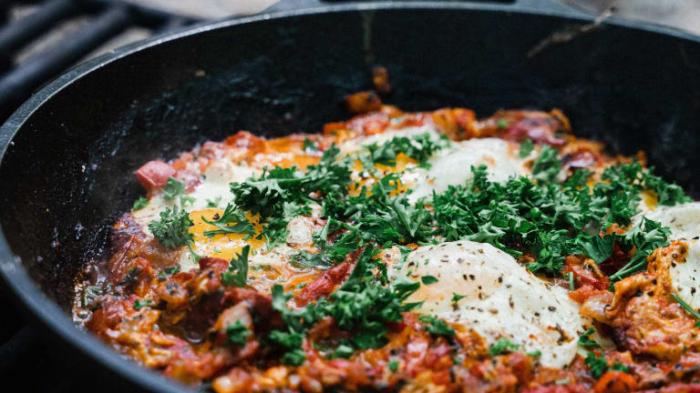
45 310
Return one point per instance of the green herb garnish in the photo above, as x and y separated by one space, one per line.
526 148
237 273
140 203
427 280
437 327
502 346
237 333
231 221
172 230
585 340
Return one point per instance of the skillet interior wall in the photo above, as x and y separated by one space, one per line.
70 168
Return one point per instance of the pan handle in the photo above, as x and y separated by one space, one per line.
558 6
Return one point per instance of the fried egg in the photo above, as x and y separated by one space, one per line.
453 165
498 298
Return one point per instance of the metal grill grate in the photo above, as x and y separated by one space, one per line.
100 22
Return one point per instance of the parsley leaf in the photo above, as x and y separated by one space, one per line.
585 340
172 230
437 327
393 365
598 365
237 273
457 297
267 194
420 148
309 145
237 333
427 280
140 203
173 189
526 148
646 237
597 248
291 342
231 221
547 165
139 304
502 346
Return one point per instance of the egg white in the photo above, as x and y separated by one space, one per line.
500 298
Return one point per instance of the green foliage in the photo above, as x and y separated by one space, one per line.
547 166
172 230
437 327
140 203
502 346
419 148
597 365
237 333
231 221
585 340
237 273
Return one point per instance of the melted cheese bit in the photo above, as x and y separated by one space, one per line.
501 299
453 166
684 222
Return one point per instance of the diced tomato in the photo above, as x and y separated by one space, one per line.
154 174
323 285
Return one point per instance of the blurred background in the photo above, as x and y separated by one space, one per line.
40 39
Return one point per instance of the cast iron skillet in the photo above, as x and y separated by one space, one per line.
68 154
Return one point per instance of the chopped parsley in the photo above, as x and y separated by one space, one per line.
173 189
291 343
572 283
231 221
308 144
140 203
585 340
597 248
502 346
237 273
329 253
393 365
688 308
172 230
457 297
343 351
597 365
420 148
139 304
427 280
267 194
644 238
213 203
526 148
237 333
168 271
437 327
547 166
362 305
